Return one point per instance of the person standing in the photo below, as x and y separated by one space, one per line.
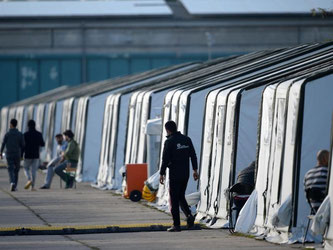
33 141
61 147
14 143
178 149
315 180
70 159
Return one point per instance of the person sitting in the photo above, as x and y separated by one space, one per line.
61 147
315 180
243 187
70 159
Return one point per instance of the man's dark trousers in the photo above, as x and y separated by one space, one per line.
13 169
177 197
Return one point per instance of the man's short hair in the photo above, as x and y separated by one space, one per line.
31 124
323 156
171 126
69 133
58 136
13 122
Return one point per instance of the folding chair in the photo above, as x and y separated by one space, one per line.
70 172
238 195
314 195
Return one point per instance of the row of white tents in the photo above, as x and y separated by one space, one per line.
271 107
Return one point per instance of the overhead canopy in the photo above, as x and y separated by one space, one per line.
218 7
84 8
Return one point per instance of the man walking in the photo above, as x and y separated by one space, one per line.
33 141
70 158
178 149
61 147
14 143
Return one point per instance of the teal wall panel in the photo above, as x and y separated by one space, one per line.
70 71
8 82
28 78
139 65
22 76
119 67
97 69
49 75
161 62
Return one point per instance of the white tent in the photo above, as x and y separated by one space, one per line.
289 139
91 109
31 108
139 111
191 109
328 237
185 104
219 152
4 122
143 105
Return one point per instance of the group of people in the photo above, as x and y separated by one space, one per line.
27 146
178 150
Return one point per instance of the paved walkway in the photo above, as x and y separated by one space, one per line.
86 207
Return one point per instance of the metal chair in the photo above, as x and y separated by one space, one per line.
70 172
238 195
312 195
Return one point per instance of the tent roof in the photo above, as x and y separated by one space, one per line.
97 87
250 7
95 8
41 97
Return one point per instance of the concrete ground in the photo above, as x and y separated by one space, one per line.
87 207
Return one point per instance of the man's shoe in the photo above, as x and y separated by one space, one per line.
190 221
28 185
12 187
174 229
44 187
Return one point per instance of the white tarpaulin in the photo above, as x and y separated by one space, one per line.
329 233
79 132
153 132
67 114
4 121
19 117
49 131
40 117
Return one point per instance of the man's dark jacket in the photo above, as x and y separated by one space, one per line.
177 150
33 140
14 143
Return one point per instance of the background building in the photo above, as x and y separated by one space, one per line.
46 44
